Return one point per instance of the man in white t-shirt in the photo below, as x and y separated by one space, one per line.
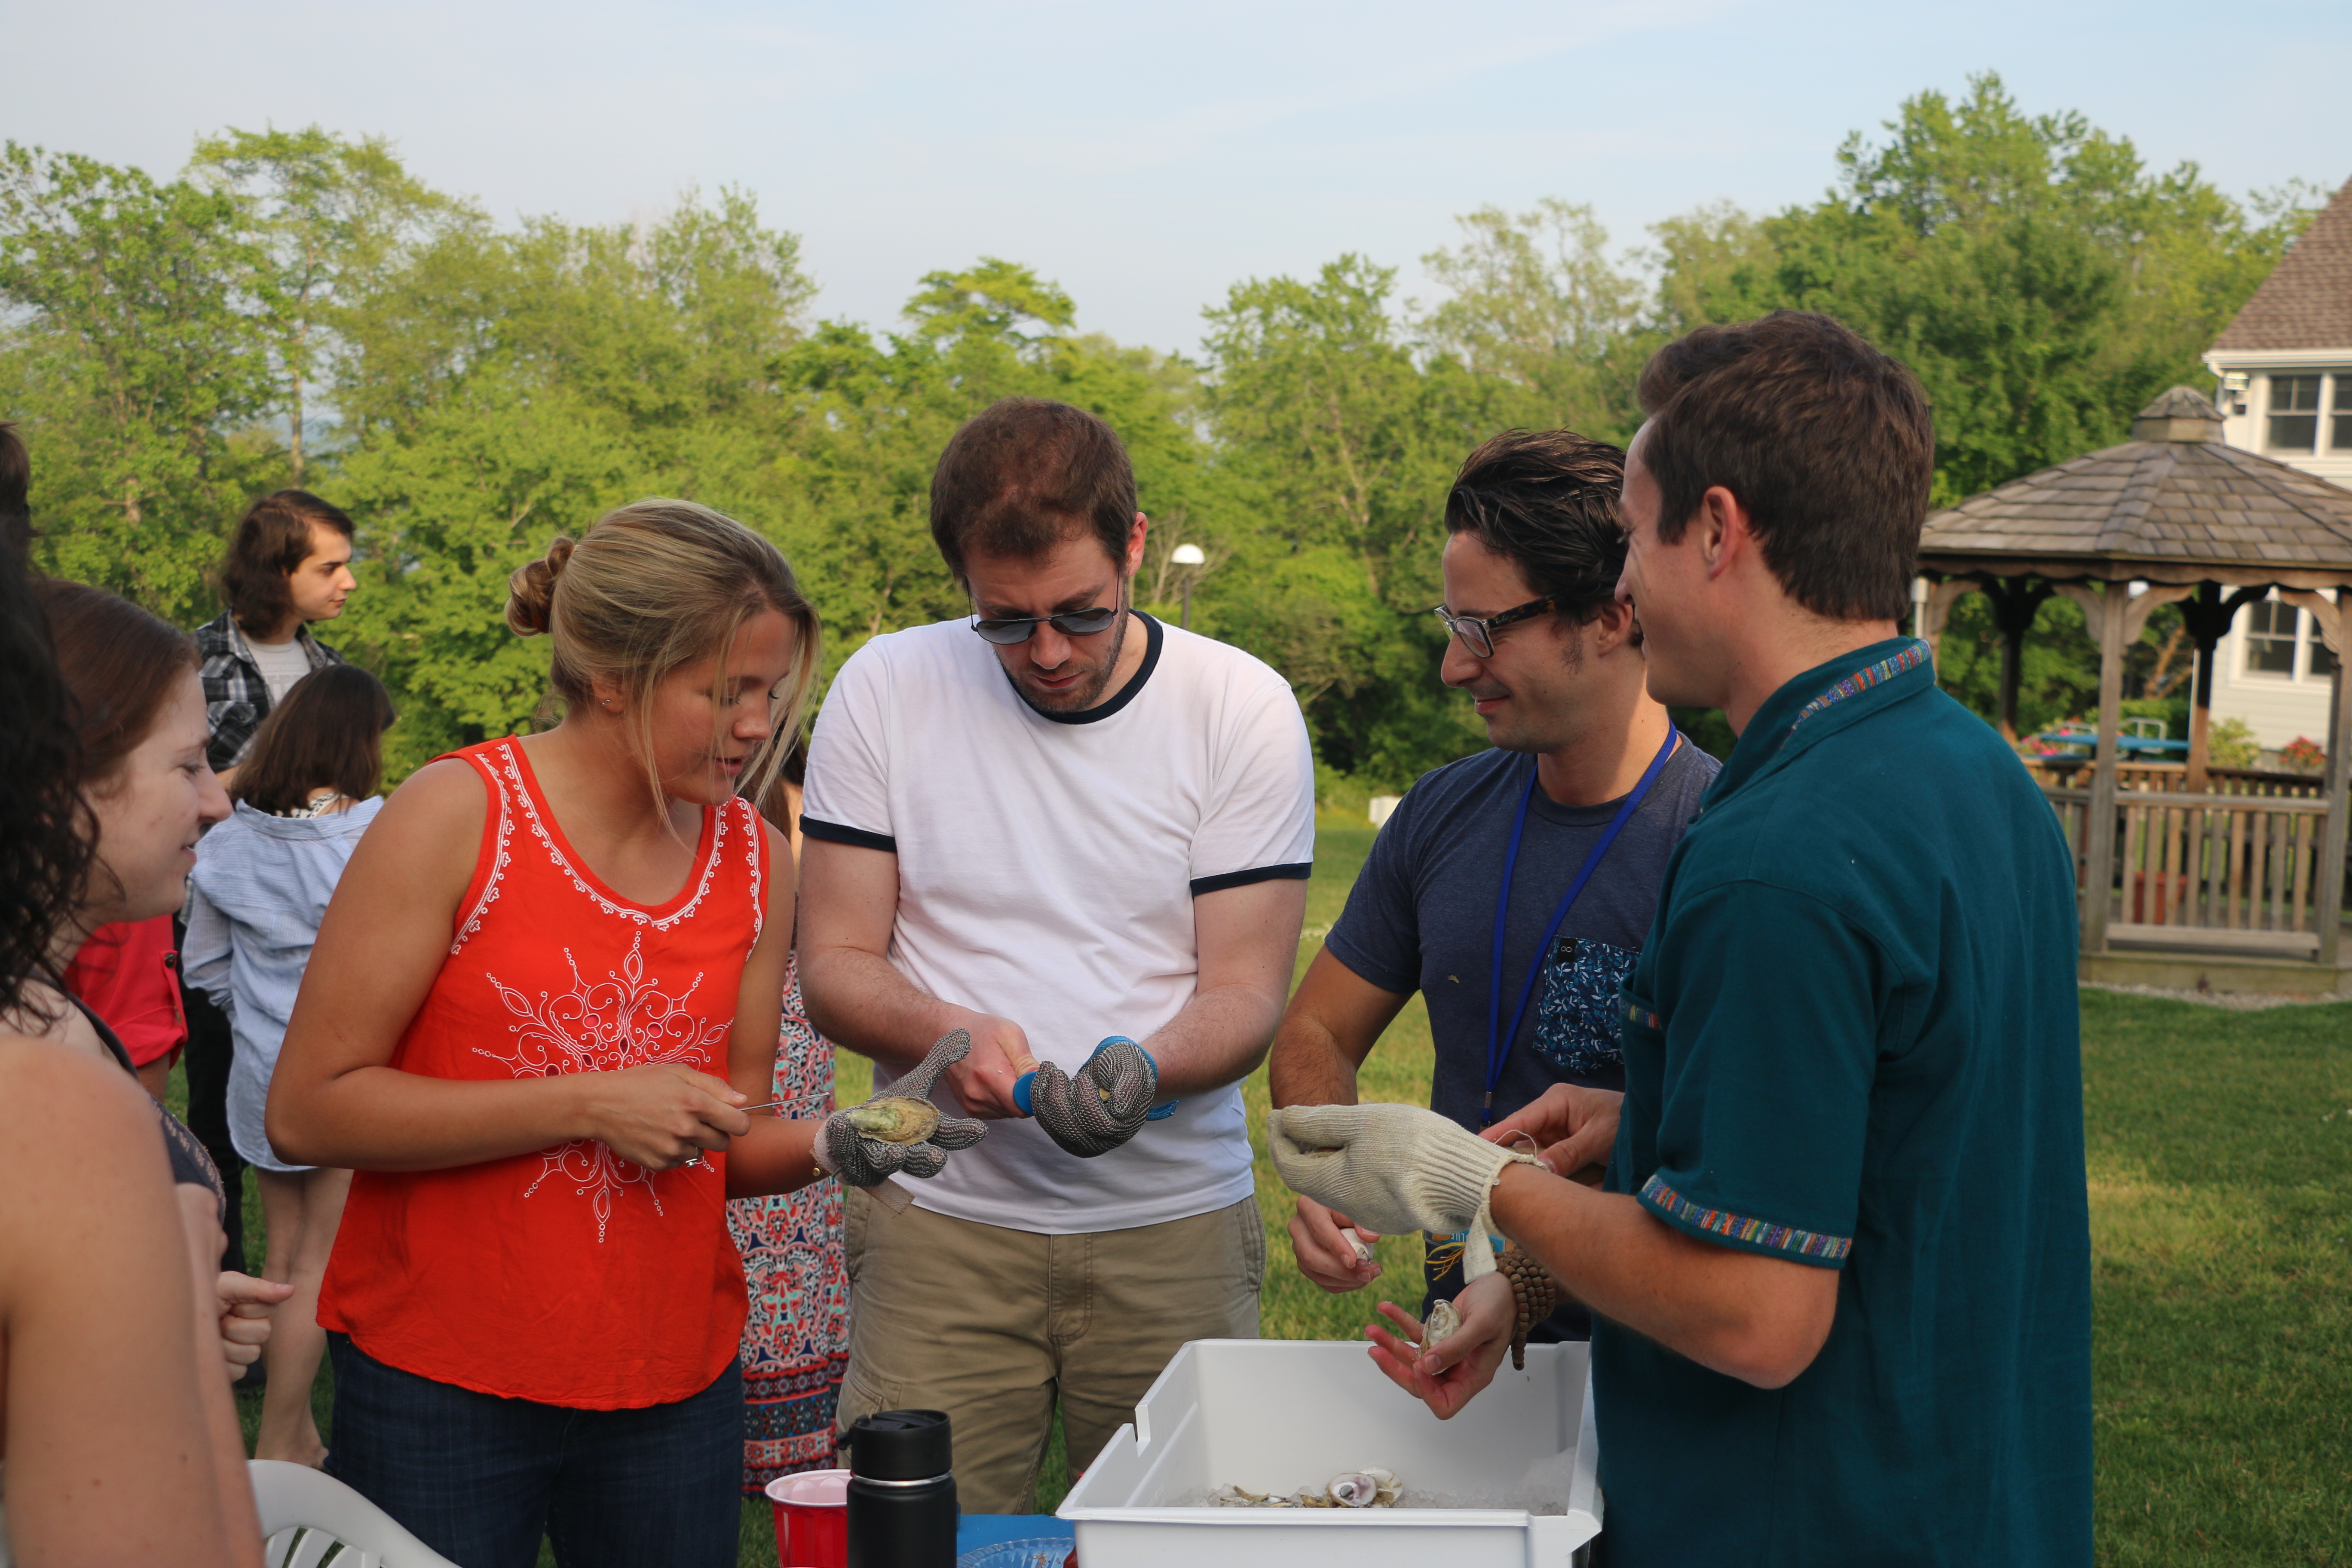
1059 823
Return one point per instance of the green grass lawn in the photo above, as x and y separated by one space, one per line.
2221 1172
2221 1168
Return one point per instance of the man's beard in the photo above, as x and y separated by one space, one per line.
1088 693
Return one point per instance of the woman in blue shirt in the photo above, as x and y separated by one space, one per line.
304 794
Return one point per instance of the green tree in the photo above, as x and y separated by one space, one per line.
1346 443
870 419
1535 302
2042 284
1317 392
478 486
135 358
503 389
1707 262
332 216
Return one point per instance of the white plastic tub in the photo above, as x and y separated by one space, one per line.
1273 1416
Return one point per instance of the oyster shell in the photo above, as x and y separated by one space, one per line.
1443 1324
1369 1487
895 1119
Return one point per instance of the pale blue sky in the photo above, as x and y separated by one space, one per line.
1146 157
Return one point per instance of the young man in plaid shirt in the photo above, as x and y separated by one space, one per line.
289 565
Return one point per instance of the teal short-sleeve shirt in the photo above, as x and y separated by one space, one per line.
1852 1042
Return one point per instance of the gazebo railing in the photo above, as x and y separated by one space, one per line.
2064 774
2221 871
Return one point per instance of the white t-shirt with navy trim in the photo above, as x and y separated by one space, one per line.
1047 866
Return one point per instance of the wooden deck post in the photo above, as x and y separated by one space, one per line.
2103 613
2327 901
2101 843
1935 608
2115 618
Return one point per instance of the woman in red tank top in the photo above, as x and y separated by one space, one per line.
548 979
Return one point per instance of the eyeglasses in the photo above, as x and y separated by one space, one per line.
1479 636
1014 629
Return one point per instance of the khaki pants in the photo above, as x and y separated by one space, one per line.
990 1324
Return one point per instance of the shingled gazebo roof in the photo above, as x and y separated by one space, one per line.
2173 504
2306 301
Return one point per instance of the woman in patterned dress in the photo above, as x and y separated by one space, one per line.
795 1339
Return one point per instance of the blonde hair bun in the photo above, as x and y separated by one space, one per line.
651 587
530 591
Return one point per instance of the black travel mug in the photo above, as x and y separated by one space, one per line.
902 1495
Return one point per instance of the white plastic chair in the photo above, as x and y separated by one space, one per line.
310 1520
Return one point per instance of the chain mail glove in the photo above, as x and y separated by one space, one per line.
899 1131
1396 1168
1101 1106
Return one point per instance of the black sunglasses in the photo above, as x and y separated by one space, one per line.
1479 636
1014 629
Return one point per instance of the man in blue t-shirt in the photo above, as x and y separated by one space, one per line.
1841 1270
1551 661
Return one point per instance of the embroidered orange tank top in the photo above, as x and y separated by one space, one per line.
569 1277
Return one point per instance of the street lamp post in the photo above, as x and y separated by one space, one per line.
1187 555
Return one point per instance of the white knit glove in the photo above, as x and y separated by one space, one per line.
1395 1168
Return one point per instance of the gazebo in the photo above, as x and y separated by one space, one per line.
2172 516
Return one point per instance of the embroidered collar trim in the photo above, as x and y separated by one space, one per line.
510 764
1909 658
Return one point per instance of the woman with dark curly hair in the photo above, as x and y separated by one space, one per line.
110 1385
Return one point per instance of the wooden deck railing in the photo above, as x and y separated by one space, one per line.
2174 777
2224 870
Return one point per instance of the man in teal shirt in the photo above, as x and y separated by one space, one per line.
1841 1268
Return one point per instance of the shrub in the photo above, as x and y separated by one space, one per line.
2230 743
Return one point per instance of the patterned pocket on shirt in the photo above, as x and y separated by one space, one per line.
1578 1016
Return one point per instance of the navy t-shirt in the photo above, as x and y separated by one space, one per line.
1422 918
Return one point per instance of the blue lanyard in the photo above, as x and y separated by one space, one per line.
1499 1043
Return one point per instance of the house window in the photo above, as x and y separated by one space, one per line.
2271 638
2339 435
2295 413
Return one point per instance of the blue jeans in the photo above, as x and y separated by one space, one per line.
478 1477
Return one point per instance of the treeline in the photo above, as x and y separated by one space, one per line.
297 307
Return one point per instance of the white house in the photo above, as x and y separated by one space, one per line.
2285 366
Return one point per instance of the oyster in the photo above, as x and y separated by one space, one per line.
895 1119
1443 1324
1368 1488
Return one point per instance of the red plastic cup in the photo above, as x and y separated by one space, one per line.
811 1512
